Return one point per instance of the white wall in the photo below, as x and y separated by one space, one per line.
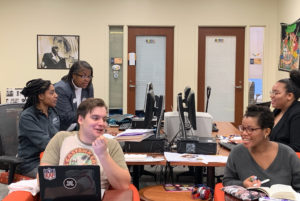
21 21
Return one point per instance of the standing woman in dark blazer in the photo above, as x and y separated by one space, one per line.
72 89
284 98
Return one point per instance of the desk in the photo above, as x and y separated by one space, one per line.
158 193
225 129
137 166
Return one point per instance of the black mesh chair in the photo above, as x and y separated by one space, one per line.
9 122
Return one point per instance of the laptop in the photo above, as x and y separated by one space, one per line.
70 183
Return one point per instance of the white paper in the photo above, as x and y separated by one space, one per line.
129 132
102 192
109 136
141 158
177 157
25 185
132 59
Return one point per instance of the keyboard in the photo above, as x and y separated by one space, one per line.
124 126
228 145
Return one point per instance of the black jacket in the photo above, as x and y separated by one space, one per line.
35 131
66 105
287 130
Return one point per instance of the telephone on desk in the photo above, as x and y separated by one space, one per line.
214 127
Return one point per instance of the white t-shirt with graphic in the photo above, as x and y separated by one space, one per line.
65 148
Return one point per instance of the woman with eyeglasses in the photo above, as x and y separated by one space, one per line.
258 158
284 98
72 89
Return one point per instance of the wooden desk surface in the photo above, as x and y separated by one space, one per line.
158 193
154 155
226 129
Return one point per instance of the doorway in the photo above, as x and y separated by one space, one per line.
153 50
221 67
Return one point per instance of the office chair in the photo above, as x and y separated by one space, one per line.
9 122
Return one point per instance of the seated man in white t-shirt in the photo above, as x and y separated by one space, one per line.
88 146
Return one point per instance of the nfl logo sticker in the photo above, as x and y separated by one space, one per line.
49 173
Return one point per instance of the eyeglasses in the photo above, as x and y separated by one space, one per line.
84 76
248 129
274 93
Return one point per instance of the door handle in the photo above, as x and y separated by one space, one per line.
238 87
131 85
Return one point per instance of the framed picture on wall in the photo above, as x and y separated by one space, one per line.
57 51
289 47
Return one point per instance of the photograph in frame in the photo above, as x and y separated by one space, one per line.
57 51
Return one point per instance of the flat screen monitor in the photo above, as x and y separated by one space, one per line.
159 107
148 88
186 92
181 110
187 105
149 110
191 109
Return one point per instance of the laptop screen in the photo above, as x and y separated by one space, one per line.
64 183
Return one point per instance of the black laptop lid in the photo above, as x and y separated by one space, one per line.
70 183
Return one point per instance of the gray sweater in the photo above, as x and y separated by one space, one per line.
35 131
285 169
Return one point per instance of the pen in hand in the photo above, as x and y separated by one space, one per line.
262 182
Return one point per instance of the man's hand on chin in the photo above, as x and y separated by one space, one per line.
100 146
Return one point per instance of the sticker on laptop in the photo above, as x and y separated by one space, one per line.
49 173
70 183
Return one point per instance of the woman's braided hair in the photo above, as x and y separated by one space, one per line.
32 90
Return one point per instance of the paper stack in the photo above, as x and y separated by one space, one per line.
134 135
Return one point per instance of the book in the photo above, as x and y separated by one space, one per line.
279 191
178 187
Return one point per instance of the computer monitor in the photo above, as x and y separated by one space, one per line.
149 109
187 105
159 108
154 107
191 109
180 109
149 87
186 92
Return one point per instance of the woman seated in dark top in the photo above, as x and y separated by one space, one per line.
258 158
284 98
39 122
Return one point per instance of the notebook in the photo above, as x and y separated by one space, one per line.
70 183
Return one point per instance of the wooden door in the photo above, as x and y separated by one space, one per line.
221 35
133 33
